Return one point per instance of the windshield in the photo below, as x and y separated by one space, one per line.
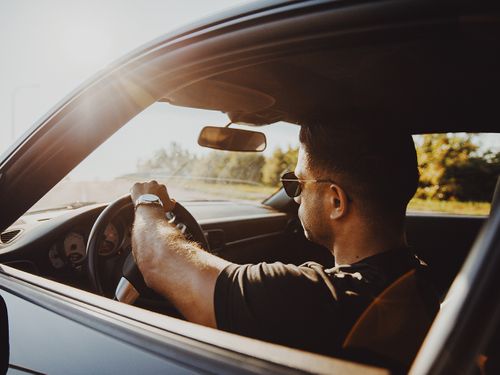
161 144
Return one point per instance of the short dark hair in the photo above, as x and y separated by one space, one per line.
377 167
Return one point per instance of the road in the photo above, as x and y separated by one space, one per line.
68 191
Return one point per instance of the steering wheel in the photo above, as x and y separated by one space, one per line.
131 284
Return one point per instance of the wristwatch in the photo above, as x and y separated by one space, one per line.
149 200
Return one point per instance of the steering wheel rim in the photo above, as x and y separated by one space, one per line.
181 217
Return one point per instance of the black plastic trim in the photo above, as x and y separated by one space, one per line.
464 327
184 351
254 238
24 369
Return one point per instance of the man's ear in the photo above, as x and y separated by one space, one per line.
339 202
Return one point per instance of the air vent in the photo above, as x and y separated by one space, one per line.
9 236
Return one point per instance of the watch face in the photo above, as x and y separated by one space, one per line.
149 198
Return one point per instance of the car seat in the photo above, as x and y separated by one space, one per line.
391 330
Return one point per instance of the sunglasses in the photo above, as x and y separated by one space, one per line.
292 184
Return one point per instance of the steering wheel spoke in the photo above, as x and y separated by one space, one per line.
131 284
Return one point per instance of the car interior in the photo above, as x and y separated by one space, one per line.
424 91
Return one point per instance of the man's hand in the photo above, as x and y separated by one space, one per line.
153 187
147 257
171 265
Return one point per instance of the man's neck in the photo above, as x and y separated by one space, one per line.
362 242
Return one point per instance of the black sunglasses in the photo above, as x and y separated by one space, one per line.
292 184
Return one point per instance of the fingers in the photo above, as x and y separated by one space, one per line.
153 187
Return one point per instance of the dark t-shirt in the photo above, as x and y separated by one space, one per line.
306 306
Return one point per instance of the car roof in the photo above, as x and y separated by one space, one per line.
436 73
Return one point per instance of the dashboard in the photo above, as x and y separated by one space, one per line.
71 252
53 243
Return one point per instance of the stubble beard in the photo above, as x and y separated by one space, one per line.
314 236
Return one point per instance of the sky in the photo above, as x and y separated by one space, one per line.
49 47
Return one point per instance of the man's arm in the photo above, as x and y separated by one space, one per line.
171 265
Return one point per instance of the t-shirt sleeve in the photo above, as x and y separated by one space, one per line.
276 302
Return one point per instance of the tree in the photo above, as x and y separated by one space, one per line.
171 160
277 163
224 165
476 178
452 168
244 166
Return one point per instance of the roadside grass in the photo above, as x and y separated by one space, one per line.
239 189
225 190
234 191
254 192
247 192
453 207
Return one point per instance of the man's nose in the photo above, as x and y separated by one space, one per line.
297 199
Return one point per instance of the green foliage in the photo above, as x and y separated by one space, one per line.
173 160
451 166
475 179
216 165
244 166
223 165
451 169
276 164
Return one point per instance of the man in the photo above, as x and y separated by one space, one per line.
353 187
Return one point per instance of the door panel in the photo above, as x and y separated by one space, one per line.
443 242
43 341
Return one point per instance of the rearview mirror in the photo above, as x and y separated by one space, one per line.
231 139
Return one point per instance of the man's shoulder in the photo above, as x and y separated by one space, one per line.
392 263
372 274
368 277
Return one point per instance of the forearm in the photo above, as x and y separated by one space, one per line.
174 267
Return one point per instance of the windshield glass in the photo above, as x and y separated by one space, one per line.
457 170
161 144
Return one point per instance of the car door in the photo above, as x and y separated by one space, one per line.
58 329
461 337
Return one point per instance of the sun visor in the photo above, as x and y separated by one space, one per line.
220 96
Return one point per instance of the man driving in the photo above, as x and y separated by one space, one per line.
352 187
